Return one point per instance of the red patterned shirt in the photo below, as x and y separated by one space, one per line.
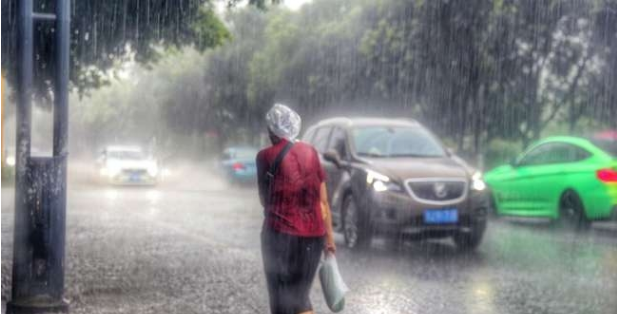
295 206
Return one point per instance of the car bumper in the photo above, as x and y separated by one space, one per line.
399 213
600 203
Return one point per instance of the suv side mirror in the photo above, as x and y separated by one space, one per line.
451 151
333 157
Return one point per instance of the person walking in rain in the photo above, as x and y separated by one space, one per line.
297 225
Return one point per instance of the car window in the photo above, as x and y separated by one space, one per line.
562 153
338 142
554 153
609 146
536 156
579 154
320 140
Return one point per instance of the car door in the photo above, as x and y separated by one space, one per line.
544 180
541 176
559 171
517 193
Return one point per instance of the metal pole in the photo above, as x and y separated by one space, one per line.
40 191
24 88
61 131
61 112
22 151
2 115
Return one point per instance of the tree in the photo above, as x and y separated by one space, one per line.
473 71
105 32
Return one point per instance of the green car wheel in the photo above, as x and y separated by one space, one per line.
572 212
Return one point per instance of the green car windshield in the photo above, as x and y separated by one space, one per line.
384 141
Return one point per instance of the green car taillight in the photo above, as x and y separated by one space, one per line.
607 175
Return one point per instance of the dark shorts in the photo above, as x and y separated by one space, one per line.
290 264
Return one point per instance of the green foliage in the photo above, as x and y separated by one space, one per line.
142 105
486 74
261 4
209 30
105 32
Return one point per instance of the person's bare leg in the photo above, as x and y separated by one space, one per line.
307 312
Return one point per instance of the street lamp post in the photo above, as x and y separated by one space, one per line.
40 182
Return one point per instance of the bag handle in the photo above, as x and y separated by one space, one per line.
274 169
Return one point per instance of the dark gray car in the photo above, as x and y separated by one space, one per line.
394 177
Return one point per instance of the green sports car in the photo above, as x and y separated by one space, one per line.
569 179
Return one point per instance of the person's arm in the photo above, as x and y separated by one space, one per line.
327 215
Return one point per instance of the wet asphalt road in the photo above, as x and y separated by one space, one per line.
192 246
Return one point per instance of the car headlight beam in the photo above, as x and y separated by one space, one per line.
379 186
113 171
477 182
380 182
372 176
153 170
10 161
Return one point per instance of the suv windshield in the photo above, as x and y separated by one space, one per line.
384 141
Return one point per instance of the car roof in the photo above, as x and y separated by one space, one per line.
367 121
582 142
565 139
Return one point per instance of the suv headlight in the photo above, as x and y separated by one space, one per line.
380 182
477 182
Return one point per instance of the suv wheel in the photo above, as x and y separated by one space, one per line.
469 241
355 230
572 212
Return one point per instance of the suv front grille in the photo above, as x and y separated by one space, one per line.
437 191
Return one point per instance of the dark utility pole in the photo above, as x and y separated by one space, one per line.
40 182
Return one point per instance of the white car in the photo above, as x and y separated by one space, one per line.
127 165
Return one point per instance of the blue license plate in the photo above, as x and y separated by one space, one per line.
441 216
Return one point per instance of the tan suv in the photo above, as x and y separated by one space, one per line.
394 177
